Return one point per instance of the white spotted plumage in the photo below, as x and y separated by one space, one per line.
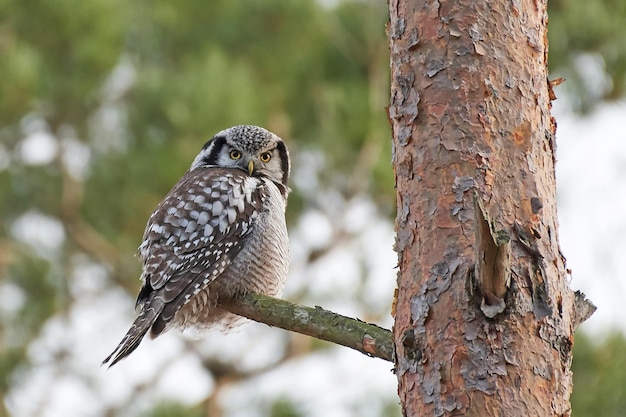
219 232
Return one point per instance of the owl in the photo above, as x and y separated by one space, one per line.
218 233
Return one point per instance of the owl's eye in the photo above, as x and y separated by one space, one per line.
265 157
235 154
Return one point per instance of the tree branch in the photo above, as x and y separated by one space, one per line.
367 338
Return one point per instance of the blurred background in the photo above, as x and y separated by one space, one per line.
105 103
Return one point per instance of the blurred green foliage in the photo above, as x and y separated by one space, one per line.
174 410
599 376
284 408
596 29
143 84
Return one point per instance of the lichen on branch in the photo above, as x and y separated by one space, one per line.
367 338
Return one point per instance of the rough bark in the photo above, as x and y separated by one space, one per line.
485 317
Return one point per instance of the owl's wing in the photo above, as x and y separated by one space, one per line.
203 216
190 239
197 230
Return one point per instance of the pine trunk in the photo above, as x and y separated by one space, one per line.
485 318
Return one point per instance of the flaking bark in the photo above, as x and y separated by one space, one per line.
484 315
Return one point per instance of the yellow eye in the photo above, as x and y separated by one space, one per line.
265 157
235 154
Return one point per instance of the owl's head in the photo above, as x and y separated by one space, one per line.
253 149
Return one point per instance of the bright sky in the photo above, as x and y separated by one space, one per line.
591 186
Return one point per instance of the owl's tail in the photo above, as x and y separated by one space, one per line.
137 331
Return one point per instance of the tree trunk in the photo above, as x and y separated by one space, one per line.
485 317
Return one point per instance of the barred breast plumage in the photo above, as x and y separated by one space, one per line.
219 232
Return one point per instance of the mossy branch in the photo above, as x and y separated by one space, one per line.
367 338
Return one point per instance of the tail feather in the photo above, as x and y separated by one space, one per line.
137 331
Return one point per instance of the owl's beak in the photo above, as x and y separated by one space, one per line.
250 167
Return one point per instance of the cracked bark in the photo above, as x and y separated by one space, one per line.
484 315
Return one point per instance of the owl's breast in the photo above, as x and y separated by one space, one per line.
262 264
260 267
